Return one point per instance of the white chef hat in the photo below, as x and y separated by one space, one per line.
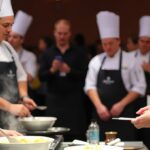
21 23
144 26
6 9
1 4
108 24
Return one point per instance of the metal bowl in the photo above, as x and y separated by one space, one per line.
27 143
37 123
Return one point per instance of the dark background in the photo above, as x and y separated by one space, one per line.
82 14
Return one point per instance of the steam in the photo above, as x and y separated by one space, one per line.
7 90
10 93
9 121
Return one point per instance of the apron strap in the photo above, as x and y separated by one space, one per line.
136 54
120 61
10 52
103 60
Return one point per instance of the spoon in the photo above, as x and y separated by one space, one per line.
10 139
41 107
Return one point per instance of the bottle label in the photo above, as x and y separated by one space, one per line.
93 136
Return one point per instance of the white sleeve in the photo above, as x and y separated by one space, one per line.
21 75
138 78
91 77
31 65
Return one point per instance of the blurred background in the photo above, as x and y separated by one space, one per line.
82 14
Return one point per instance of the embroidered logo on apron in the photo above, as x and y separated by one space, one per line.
108 80
11 74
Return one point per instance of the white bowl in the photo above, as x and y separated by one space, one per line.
29 143
37 123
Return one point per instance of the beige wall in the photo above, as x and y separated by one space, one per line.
82 15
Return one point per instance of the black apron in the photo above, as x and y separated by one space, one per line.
70 111
147 76
8 91
111 90
144 134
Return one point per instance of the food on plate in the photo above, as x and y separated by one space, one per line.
92 147
25 140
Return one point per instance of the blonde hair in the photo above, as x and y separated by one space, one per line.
63 21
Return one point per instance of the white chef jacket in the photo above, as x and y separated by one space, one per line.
29 62
142 58
132 73
6 56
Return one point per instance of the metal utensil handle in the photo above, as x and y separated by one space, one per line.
56 142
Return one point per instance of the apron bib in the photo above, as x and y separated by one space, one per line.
8 91
111 90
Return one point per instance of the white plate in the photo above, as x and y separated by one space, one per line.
101 147
30 140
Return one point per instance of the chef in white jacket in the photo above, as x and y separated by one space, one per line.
143 55
16 39
13 85
114 79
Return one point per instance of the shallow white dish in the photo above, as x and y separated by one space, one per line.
27 143
99 147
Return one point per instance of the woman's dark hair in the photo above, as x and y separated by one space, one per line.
47 40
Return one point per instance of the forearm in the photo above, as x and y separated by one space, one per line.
94 97
29 77
4 104
23 88
131 96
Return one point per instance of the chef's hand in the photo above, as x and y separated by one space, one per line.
146 67
19 110
143 121
29 103
11 133
142 110
103 112
65 68
56 64
116 109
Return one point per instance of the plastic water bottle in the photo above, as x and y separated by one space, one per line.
93 133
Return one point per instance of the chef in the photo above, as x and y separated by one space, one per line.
19 29
114 80
143 54
13 85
